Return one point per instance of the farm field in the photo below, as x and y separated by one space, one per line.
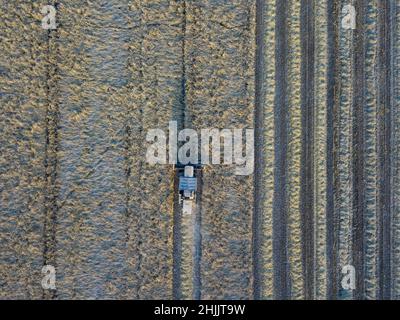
77 192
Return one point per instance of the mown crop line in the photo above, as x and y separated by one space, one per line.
259 149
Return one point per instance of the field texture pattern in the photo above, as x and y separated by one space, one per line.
76 192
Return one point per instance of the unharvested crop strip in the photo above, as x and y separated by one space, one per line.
23 100
220 47
111 227
91 223
162 84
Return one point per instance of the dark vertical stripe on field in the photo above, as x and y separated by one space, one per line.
358 247
259 149
197 240
134 218
280 254
177 217
394 168
182 116
307 161
51 161
177 243
385 18
332 139
134 121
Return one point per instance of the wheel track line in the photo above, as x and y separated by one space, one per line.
132 220
332 221
197 241
51 156
280 254
185 244
385 18
177 243
307 161
358 164
395 126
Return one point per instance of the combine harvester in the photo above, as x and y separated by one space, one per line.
187 189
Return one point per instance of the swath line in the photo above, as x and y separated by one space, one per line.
259 148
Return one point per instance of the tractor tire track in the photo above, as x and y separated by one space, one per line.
395 143
385 111
332 96
357 81
280 214
183 235
307 157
